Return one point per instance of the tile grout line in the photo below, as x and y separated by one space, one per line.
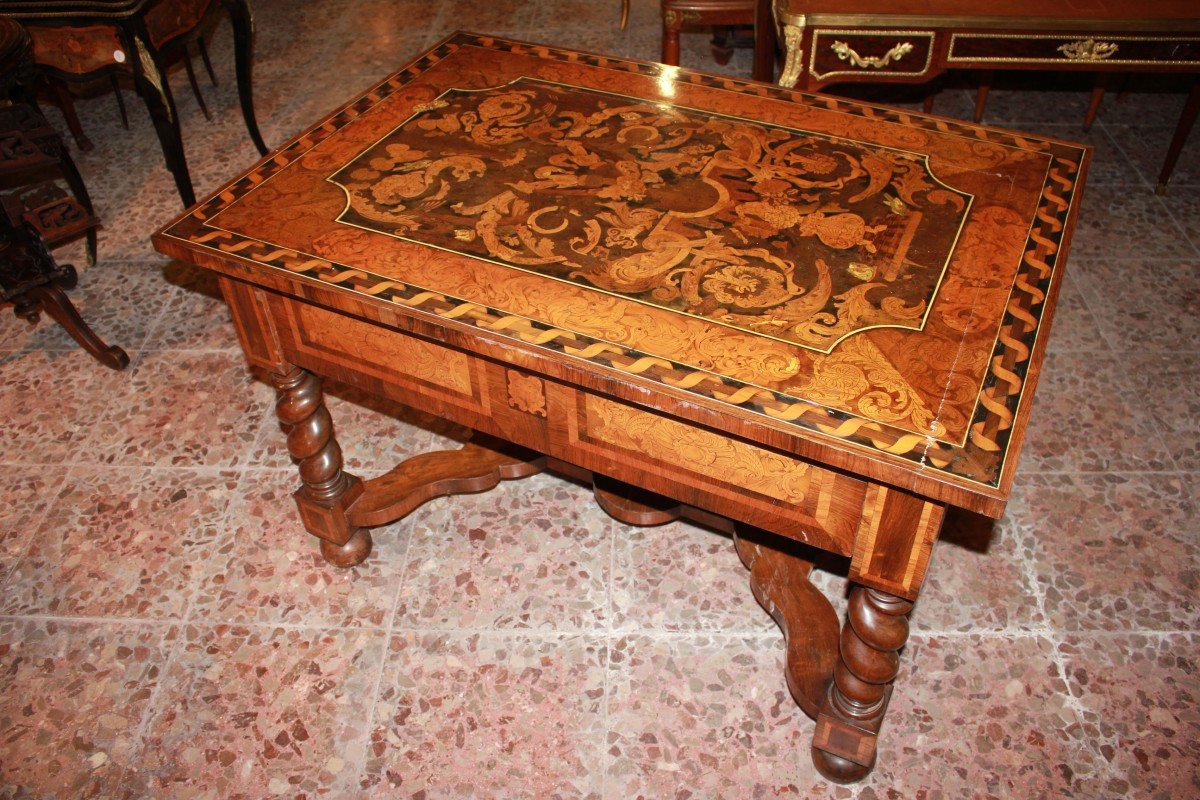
1056 642
531 633
605 757
1166 207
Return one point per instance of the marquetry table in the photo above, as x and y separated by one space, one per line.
813 323
828 42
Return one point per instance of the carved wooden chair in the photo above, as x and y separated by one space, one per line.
722 14
30 149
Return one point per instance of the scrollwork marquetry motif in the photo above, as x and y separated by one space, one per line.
526 393
778 232
845 53
673 18
1088 50
709 454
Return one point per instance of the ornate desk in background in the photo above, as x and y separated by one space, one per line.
817 320
78 40
913 41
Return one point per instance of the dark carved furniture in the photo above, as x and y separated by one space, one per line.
913 41
33 282
80 40
812 323
29 146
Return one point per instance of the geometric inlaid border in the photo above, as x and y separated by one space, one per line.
981 459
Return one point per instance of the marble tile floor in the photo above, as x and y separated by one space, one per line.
168 630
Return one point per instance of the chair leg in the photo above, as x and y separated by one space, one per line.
75 183
66 101
722 45
624 13
1097 97
116 85
981 94
54 301
670 40
191 75
212 76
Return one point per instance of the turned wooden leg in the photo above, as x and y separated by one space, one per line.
1182 129
876 627
326 491
670 44
981 94
1097 97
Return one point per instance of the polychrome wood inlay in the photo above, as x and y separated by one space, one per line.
736 203
782 233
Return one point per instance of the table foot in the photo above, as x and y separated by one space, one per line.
780 583
853 709
354 551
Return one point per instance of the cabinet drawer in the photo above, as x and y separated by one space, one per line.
866 53
1073 48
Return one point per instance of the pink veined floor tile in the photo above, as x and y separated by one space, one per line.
72 704
121 544
1146 147
533 553
195 316
49 401
978 578
264 568
702 716
1112 552
488 715
246 712
1088 418
191 409
1075 325
1144 306
1107 219
986 717
1166 385
28 495
1140 697
681 577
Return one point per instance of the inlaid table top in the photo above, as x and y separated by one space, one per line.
861 286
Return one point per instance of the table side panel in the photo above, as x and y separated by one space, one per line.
700 467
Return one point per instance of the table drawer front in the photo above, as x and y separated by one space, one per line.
839 53
1066 49
772 490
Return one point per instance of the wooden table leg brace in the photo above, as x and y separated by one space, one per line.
842 680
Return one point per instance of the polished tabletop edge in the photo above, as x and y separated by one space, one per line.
1018 350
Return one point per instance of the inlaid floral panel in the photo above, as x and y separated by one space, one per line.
785 233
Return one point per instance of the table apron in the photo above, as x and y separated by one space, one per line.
888 533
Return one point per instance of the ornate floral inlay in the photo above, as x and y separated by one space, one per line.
794 235
710 454
526 393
